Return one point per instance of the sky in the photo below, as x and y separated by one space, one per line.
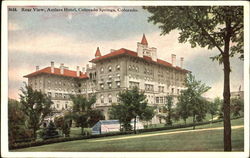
35 38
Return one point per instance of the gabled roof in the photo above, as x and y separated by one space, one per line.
124 51
67 73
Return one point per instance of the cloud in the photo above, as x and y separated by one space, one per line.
39 49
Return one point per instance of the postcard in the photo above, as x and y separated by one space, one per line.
125 79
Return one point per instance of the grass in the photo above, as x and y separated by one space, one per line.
211 140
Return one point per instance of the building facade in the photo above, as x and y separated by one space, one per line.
111 73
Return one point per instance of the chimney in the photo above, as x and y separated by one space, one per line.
153 53
37 68
173 60
181 64
62 69
83 69
112 50
77 71
52 67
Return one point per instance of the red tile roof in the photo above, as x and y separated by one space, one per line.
124 51
67 73
98 53
144 40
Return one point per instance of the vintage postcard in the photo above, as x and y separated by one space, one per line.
125 79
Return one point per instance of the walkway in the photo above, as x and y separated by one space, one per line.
165 133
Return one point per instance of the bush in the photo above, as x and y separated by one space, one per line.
57 140
49 132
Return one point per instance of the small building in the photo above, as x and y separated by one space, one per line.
106 126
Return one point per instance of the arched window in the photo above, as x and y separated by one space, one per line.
110 69
102 99
118 67
102 70
110 98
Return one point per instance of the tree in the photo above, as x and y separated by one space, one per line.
214 107
36 106
16 123
237 105
63 123
191 99
50 131
83 112
132 104
169 108
218 27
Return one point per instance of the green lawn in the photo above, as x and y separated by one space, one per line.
211 140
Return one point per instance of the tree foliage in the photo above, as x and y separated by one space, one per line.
213 108
18 130
237 106
63 123
219 27
36 106
190 102
169 109
83 113
132 104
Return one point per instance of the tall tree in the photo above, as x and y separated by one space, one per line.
169 108
36 106
133 104
16 123
218 27
191 99
83 111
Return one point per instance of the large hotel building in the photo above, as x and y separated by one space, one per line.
111 73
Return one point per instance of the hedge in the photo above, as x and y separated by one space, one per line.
61 139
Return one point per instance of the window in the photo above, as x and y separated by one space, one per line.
110 69
102 99
118 75
178 91
118 84
66 106
110 85
172 91
133 84
118 98
110 76
129 67
49 94
110 98
102 86
157 100
102 70
118 67
161 99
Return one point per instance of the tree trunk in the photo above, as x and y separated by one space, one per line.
82 130
212 118
135 125
226 92
34 134
193 122
226 103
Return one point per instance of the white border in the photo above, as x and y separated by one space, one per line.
4 83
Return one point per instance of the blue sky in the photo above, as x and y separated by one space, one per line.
36 38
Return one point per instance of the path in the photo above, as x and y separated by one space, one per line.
166 133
